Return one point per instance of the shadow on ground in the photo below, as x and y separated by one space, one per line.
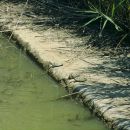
116 67
113 103
65 19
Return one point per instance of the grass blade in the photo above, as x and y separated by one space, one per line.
111 21
104 24
92 20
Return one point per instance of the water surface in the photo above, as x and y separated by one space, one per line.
26 92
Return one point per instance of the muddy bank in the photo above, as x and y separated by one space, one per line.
101 81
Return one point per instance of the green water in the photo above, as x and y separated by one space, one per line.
25 94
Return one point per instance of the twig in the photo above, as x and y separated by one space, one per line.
5 31
65 96
1 10
121 41
68 95
88 62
